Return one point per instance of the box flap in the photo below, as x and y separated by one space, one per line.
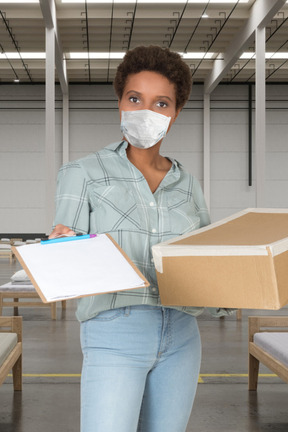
249 229
244 234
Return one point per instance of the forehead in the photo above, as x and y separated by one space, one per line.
149 82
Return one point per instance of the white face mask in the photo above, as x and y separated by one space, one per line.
144 128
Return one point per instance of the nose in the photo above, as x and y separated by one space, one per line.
148 103
148 106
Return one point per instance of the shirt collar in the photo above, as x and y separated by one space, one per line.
121 146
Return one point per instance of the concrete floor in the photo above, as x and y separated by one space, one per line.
52 364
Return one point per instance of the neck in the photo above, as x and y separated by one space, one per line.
150 163
144 157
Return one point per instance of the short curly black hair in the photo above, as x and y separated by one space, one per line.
156 59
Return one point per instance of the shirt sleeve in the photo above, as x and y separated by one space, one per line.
219 312
72 206
201 207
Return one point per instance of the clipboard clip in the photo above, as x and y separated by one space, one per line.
68 238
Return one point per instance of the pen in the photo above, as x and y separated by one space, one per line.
70 238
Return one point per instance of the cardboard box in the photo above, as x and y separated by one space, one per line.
238 262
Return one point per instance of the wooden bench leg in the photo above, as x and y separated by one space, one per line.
253 372
16 300
17 374
239 314
53 310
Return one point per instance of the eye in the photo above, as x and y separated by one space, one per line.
162 104
134 99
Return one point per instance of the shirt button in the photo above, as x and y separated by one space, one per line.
151 204
154 289
154 230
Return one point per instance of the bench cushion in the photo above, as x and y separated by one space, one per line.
274 343
5 247
7 342
20 276
21 287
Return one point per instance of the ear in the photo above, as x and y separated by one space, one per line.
119 110
173 119
175 116
177 113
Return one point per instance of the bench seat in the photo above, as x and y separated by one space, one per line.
275 344
11 295
8 341
268 344
11 350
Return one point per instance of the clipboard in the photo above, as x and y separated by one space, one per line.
68 270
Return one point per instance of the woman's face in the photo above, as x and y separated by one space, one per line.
152 91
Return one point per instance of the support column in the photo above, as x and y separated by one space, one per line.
54 57
206 148
65 148
260 117
50 146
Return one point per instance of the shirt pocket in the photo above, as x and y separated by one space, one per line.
113 208
183 216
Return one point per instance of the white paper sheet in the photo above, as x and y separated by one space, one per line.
78 268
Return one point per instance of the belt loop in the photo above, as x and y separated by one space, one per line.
127 310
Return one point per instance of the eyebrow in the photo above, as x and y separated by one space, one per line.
157 97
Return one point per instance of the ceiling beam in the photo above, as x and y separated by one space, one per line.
49 15
261 14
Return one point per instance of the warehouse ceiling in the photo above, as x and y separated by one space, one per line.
92 37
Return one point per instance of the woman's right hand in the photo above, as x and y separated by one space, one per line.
61 230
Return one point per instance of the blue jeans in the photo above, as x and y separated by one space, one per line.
140 370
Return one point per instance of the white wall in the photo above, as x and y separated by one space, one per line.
94 122
22 167
230 191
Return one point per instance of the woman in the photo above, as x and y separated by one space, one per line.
140 360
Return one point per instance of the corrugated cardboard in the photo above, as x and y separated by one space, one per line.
238 262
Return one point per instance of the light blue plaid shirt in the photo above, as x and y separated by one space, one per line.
105 193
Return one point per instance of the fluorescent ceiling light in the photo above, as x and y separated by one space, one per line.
24 55
93 55
268 55
218 1
247 55
196 55
155 1
278 55
120 55
20 1
96 55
